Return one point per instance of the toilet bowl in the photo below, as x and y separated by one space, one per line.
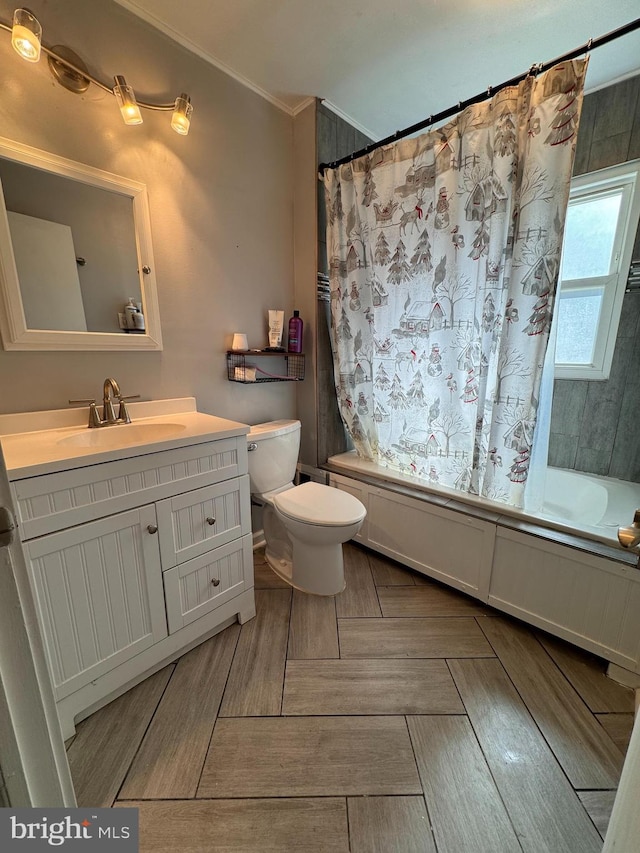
304 526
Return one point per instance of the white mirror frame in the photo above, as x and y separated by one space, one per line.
13 327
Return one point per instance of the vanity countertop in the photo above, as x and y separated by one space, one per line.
36 443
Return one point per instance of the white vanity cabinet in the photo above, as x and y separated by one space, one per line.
134 561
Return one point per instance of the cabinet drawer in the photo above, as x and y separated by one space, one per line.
198 521
195 588
98 589
55 501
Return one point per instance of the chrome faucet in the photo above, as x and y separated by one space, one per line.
629 537
108 418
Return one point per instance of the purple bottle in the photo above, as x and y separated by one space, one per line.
295 333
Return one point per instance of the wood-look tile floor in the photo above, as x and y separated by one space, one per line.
397 717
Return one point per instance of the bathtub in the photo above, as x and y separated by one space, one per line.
592 505
582 504
560 569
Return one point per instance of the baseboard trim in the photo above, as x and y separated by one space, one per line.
624 676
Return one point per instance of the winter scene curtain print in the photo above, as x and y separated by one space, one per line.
444 256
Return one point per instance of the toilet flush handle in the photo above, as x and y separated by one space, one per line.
252 445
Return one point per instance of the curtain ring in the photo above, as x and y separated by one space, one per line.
589 43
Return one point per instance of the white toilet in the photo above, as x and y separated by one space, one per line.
304 526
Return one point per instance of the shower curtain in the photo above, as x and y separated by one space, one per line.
443 263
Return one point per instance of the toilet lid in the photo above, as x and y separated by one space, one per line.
315 504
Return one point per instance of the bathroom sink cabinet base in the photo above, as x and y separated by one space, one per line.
134 561
93 696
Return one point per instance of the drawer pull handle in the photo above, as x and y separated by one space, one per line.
152 528
216 581
211 520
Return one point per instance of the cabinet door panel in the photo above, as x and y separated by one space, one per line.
450 546
586 599
185 531
99 592
197 587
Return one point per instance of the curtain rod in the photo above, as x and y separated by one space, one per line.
483 96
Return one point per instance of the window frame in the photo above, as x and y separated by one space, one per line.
625 176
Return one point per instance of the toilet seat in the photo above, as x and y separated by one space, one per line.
312 503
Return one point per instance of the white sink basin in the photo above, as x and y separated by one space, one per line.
122 435
36 443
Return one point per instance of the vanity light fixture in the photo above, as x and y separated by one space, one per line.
71 72
26 35
126 98
181 118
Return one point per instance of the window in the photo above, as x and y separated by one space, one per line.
600 228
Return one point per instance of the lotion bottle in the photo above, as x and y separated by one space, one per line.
130 310
295 333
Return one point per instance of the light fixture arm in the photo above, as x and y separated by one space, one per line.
84 74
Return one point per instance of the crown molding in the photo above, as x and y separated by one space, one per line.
191 46
303 105
345 117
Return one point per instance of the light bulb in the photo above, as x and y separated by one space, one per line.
26 35
181 116
126 99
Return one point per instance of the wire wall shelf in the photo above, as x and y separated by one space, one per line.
245 367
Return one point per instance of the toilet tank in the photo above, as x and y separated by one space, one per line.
272 464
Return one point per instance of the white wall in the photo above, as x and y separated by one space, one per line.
221 208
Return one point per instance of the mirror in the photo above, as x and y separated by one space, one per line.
76 266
